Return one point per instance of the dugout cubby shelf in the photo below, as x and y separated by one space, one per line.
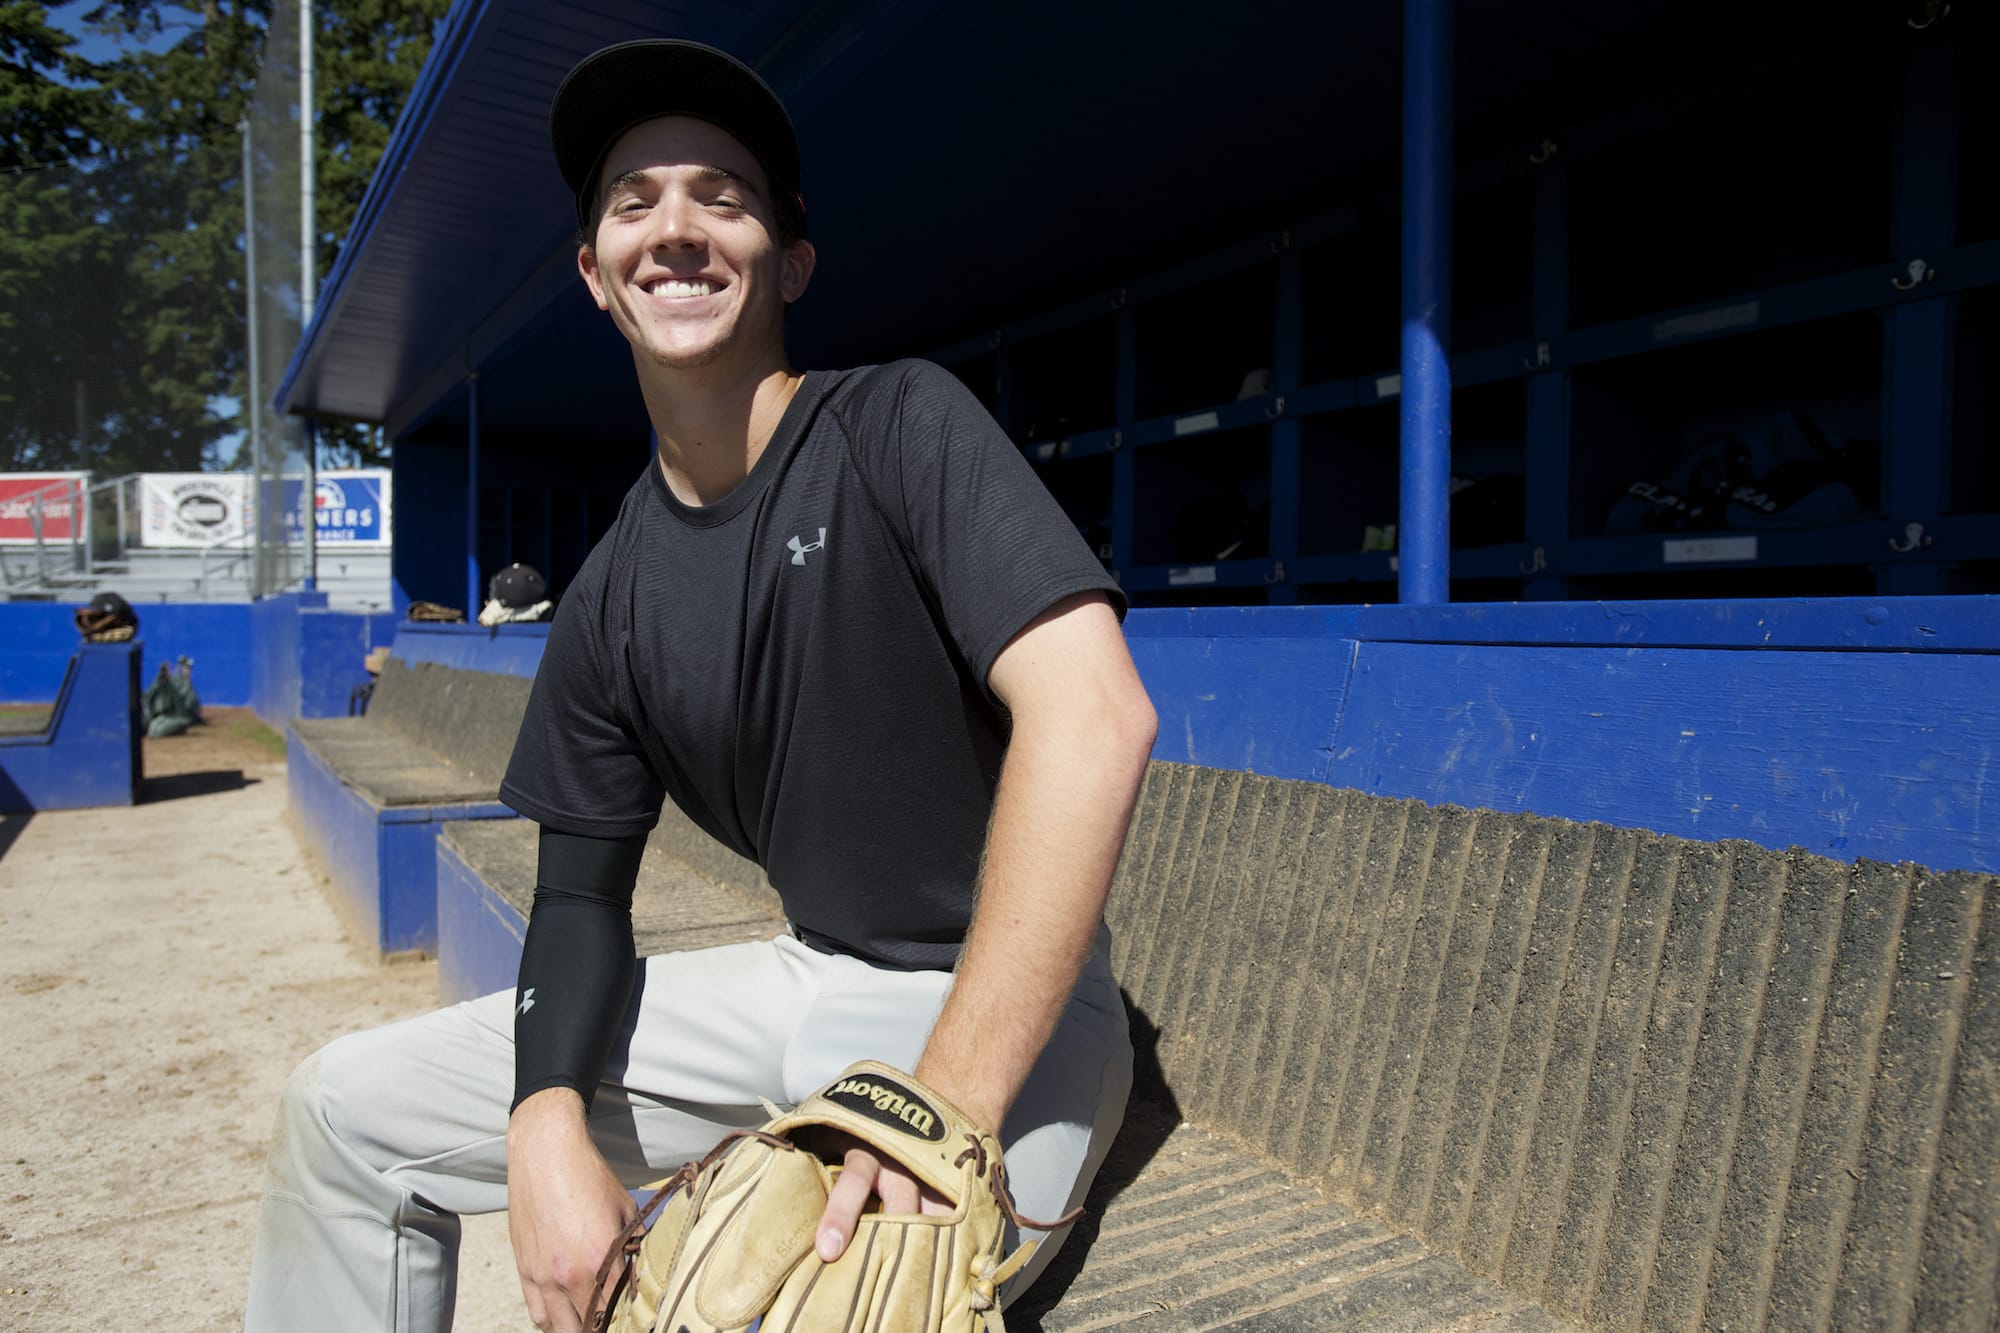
1804 402
1978 129
1204 500
1973 477
1787 186
1728 262
1062 383
1084 488
1210 343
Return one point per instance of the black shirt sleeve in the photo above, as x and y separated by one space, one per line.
995 547
578 763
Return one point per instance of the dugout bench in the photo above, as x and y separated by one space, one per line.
84 751
1415 1067
367 795
1409 1065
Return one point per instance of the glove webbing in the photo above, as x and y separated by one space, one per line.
629 1241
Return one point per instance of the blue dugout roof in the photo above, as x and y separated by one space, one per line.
964 164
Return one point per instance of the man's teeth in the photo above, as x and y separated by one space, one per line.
673 287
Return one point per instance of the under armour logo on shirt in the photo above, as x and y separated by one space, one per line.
799 548
527 1000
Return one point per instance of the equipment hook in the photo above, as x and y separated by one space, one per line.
1542 152
1914 537
1934 10
1920 273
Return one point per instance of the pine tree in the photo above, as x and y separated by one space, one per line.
121 215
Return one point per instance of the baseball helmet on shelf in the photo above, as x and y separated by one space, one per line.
108 619
518 586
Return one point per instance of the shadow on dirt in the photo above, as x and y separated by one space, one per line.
11 828
173 788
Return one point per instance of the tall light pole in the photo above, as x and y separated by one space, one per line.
254 389
308 247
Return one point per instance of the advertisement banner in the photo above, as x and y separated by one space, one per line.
194 509
350 508
61 496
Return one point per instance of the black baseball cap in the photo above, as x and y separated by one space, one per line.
615 88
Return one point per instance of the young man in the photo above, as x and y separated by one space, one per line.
841 625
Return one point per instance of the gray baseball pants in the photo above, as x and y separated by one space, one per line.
385 1137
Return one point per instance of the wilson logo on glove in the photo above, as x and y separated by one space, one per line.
893 1105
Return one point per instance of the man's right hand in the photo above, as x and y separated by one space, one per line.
564 1207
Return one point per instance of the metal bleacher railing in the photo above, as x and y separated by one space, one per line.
66 560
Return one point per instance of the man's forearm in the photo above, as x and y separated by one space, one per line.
1064 801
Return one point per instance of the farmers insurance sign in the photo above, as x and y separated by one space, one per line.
61 496
194 508
350 508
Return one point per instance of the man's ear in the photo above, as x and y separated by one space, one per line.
798 269
586 264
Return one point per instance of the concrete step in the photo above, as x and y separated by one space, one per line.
1185 1231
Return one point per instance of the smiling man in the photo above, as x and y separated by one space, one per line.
839 623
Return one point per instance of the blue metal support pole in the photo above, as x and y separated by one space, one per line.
309 504
1125 467
472 590
1919 342
1547 516
1424 520
1286 502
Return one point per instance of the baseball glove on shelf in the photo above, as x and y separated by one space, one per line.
734 1240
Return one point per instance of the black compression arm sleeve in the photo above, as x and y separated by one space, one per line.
577 963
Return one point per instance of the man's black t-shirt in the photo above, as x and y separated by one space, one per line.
801 666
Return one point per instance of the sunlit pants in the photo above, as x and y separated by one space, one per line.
385 1137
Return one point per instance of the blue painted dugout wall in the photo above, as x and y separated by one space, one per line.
508 650
89 754
37 638
1854 727
308 659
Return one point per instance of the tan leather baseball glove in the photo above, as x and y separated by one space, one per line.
734 1239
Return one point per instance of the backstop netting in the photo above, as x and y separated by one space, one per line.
130 282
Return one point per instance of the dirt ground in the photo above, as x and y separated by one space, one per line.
162 968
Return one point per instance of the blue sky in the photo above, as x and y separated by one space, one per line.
93 46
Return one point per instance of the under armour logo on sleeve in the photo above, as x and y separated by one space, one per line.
799 549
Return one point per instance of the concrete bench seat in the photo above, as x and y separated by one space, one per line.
368 794
1182 1226
26 721
486 884
387 768
1420 1067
